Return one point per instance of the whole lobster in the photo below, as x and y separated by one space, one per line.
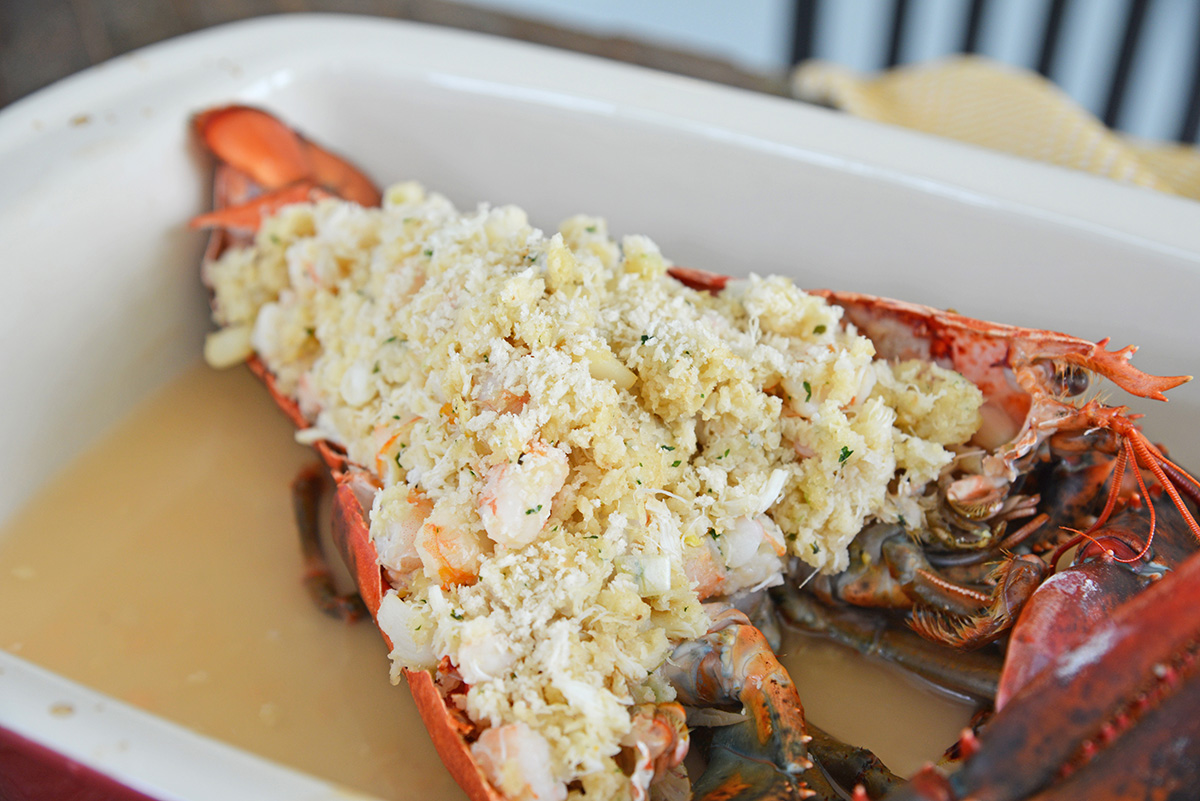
1107 713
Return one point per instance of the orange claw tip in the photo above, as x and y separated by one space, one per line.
247 217
255 142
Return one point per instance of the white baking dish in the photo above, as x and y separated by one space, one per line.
103 303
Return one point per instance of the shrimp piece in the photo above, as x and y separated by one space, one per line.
493 394
743 556
396 522
703 568
406 625
450 553
516 760
516 498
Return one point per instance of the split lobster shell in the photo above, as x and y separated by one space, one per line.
313 172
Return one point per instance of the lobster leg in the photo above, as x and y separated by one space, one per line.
1015 580
890 569
852 766
766 756
307 489
972 673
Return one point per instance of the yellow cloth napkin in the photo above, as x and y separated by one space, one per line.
993 105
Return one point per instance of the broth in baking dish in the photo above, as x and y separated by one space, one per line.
162 568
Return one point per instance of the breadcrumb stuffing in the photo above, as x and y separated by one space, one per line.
574 449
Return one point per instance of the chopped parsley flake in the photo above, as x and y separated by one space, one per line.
820 329
534 510
844 455
807 391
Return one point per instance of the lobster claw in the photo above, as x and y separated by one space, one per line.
765 756
1116 716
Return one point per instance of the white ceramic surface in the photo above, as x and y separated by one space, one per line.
97 176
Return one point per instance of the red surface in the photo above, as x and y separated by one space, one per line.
30 771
